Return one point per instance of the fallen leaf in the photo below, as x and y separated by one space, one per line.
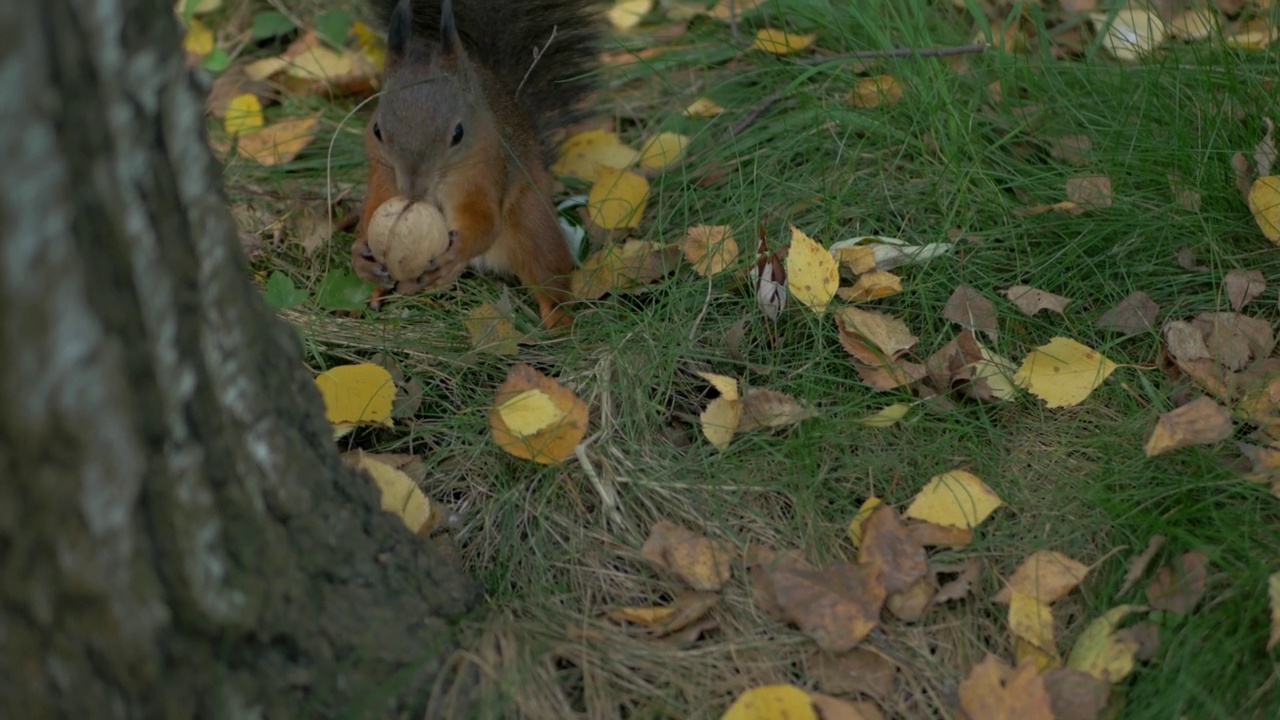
1264 203
617 198
1234 339
1179 586
770 409
857 671
869 92
720 420
359 394
1046 575
582 155
199 40
1032 620
552 443
1139 564
644 616
1200 422
778 42
769 277
831 708
1130 33
872 286
727 386
1031 301
620 268
873 337
710 248
725 9
1025 651
836 606
895 374
243 114
886 416
887 546
1063 372
626 14
687 609
400 495
703 108
1193 24
957 499
931 535
1264 153
1273 590
911 604
886 253
855 525
958 588
1242 286
1099 653
1074 695
1090 192
1073 149
278 143
812 275
699 562
1146 635
491 330
662 150
995 691
772 702
971 310
1132 315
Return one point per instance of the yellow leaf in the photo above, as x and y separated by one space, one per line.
720 421
772 702
1032 621
782 43
582 155
698 561
371 44
1131 33
619 268
663 150
710 248
812 275
1264 203
626 14
400 495
1045 575
244 114
361 394
703 108
1063 372
1100 653
278 143
955 499
491 330
1024 651
646 616
727 386
528 412
321 63
725 9
202 7
199 39
887 335
1273 589
265 68
872 286
1200 422
552 443
864 512
617 198
871 92
886 416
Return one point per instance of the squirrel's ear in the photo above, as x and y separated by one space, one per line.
450 43
399 29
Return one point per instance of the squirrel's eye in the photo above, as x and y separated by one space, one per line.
377 131
457 134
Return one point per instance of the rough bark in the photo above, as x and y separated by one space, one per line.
178 538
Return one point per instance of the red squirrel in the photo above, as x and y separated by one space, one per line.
473 98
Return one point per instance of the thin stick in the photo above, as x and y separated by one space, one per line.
974 49
537 55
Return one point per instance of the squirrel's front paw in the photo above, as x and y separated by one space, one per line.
367 266
442 271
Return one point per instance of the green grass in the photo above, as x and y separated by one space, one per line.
553 554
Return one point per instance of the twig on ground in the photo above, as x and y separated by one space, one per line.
974 49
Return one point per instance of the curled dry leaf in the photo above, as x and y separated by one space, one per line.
710 248
1031 301
552 442
836 606
1139 564
1132 315
1242 286
699 562
995 691
687 609
971 310
885 544
1200 422
872 286
957 499
854 530
769 278
620 268
1046 575
1179 586
771 409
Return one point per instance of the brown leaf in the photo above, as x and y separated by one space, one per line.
1244 175
886 545
1179 587
1138 565
1199 422
699 562
689 608
857 671
970 309
1187 256
770 409
958 588
1045 575
1132 315
1184 341
1092 192
1145 635
945 365
830 708
1073 149
995 691
1264 153
893 375
1075 695
1242 286
836 606
931 535
629 266
1234 339
875 330
911 604
1031 301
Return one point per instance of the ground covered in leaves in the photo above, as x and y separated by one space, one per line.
938 383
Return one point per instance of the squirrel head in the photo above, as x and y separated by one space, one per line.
432 110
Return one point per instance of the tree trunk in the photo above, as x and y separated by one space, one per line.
178 538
